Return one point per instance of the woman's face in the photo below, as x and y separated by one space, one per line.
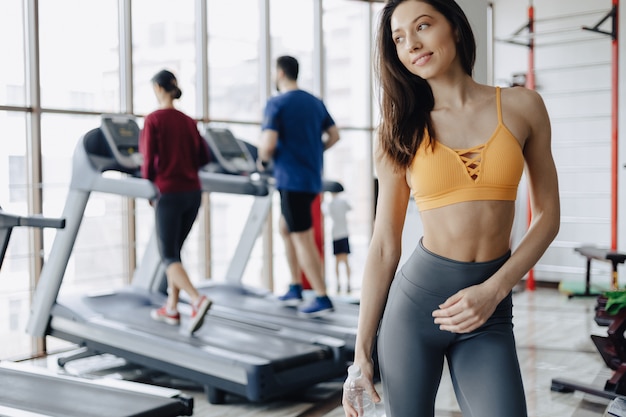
424 39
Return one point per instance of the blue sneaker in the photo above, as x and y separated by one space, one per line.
320 306
293 297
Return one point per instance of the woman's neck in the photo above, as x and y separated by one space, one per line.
452 91
167 104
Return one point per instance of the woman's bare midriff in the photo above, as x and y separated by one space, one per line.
474 231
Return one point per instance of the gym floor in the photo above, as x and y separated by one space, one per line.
553 339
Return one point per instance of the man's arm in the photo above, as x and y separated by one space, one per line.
332 136
267 146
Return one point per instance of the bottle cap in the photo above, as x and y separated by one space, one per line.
354 370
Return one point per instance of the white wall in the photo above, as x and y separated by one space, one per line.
476 11
573 76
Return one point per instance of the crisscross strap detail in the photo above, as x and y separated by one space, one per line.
442 176
472 159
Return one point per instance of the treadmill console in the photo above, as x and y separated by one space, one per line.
231 154
122 135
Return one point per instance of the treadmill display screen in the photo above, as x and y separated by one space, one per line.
125 135
227 144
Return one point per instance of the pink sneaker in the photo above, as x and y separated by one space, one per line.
199 310
161 314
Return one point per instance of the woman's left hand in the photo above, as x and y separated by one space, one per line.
466 310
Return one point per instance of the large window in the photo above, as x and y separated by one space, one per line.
98 259
348 41
14 275
164 38
79 55
12 86
14 284
347 50
234 62
82 73
295 37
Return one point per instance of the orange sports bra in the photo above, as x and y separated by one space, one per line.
441 176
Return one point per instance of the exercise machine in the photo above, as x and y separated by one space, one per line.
35 391
29 391
230 297
591 253
253 359
251 302
611 347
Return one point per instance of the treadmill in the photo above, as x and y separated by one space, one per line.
32 391
253 359
230 297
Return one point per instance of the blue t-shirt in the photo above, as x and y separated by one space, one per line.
300 120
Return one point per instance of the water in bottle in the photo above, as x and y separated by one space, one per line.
359 399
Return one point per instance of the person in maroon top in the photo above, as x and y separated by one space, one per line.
173 151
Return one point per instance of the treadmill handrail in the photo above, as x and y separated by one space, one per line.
215 182
128 187
8 220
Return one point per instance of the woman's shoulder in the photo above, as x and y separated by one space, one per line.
523 111
524 103
520 97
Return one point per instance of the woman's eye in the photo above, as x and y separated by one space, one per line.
398 39
422 26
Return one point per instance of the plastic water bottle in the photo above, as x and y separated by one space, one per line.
617 408
359 399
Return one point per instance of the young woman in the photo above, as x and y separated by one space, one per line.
459 148
173 152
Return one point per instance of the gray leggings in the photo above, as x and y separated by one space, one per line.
411 348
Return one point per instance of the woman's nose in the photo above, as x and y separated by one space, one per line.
413 42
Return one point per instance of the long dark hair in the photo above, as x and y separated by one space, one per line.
407 99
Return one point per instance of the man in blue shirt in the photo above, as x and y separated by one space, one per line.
296 131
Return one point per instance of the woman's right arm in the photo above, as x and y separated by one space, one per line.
380 266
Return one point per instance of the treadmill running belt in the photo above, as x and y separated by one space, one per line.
46 395
133 311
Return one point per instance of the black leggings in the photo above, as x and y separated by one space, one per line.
175 215
483 364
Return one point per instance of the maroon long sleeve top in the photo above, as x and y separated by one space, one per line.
173 151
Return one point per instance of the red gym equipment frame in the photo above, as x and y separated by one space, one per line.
318 232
